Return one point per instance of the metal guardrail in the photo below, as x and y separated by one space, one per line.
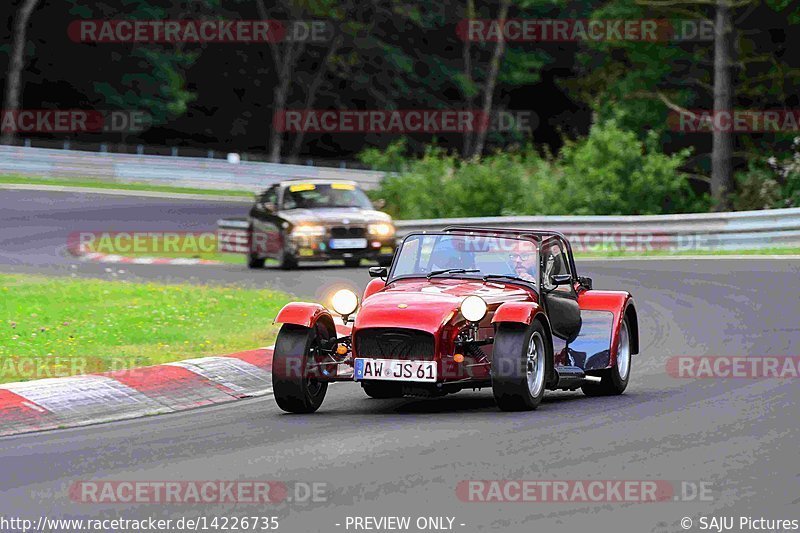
694 232
167 170
682 232
232 236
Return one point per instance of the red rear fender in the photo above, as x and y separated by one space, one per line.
621 305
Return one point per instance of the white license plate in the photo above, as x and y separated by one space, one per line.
393 370
348 244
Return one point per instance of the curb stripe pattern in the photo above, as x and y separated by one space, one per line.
110 258
90 399
82 400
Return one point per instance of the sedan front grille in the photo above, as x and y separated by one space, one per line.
342 232
394 343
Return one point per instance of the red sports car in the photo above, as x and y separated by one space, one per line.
463 308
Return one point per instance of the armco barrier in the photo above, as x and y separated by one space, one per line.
232 236
682 233
167 170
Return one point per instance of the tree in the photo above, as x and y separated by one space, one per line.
16 63
722 184
737 66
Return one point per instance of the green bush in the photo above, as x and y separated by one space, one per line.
770 184
757 188
611 172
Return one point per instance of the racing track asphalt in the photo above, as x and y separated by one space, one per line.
406 457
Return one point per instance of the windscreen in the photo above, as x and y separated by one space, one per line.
310 196
486 254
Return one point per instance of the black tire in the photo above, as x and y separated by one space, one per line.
253 261
510 366
613 382
294 392
383 391
286 261
352 262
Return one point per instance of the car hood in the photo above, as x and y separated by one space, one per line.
335 215
428 305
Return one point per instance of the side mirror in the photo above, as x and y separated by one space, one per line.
379 203
561 279
585 282
378 272
269 207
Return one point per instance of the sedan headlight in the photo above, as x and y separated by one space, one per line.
382 229
473 308
307 230
344 302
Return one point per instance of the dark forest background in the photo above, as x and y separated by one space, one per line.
600 110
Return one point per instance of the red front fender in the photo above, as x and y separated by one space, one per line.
304 314
520 312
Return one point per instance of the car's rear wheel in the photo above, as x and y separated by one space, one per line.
519 366
253 261
614 380
382 391
352 262
295 348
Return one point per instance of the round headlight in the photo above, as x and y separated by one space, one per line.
473 308
344 302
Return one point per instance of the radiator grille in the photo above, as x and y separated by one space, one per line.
394 343
341 232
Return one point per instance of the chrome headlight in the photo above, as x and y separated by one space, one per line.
344 302
474 308
308 230
382 229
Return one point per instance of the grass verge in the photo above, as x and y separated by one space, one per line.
64 326
114 185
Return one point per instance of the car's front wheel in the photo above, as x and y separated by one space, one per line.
296 348
519 366
614 380
286 261
352 262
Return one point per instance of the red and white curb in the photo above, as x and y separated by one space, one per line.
111 258
81 400
90 399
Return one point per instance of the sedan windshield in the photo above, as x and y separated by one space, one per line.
468 256
311 195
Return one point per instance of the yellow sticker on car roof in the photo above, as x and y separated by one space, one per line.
300 187
344 186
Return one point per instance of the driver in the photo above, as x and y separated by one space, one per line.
524 260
